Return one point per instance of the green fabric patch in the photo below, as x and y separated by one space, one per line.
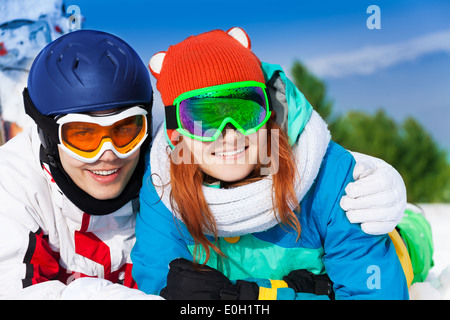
416 232
251 257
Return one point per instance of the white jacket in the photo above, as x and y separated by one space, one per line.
48 247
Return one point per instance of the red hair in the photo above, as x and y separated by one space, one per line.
188 199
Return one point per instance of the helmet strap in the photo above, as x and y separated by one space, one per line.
46 123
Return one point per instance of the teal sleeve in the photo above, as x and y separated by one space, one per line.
361 266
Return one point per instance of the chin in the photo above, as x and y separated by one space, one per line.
231 173
106 194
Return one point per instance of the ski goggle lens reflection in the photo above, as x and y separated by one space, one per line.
202 114
87 137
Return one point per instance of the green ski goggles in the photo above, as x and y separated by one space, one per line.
202 114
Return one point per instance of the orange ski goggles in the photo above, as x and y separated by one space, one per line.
86 137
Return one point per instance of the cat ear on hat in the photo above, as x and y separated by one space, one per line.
156 62
240 35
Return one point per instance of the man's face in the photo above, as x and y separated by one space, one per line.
104 179
107 177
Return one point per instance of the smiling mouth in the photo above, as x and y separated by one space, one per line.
104 172
229 153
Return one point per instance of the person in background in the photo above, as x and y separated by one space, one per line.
26 27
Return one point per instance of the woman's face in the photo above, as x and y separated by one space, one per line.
232 157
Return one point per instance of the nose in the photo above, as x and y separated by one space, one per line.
108 155
230 133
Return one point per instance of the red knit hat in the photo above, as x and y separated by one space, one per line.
205 60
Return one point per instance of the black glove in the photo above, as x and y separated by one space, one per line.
184 282
305 281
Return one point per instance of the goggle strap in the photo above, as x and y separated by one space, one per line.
269 100
171 117
48 124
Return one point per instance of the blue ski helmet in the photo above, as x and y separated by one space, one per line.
85 71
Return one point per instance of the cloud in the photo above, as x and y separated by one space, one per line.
369 59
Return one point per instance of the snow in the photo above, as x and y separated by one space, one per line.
437 284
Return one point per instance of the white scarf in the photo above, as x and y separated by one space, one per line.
248 208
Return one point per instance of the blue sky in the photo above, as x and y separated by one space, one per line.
404 67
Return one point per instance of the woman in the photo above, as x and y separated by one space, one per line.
248 192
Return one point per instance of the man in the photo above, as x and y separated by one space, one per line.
69 188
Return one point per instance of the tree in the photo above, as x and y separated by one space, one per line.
408 147
376 135
425 166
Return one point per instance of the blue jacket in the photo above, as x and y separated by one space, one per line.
361 266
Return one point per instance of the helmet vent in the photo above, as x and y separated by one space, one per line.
113 61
